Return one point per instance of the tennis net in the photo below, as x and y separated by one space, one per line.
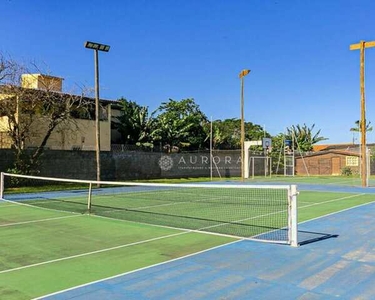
261 212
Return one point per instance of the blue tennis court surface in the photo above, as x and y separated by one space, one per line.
340 265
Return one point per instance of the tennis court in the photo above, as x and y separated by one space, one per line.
49 235
336 268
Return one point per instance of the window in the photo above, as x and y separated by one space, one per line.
352 161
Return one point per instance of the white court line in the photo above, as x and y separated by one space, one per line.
45 200
37 221
40 207
332 200
337 212
158 205
92 252
137 270
308 202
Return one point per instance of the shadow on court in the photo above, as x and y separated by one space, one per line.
338 265
308 237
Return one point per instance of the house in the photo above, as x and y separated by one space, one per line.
327 162
77 135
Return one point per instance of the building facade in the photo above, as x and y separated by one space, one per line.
329 162
77 134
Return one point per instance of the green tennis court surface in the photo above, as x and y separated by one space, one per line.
44 251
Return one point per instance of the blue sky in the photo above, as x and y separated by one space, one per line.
302 70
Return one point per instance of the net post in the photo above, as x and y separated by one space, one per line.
2 185
89 198
293 222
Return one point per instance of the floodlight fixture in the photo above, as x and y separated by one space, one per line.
97 46
244 73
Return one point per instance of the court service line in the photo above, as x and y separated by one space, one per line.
37 221
93 252
160 205
333 200
337 212
308 202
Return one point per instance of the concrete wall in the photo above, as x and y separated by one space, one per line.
146 165
79 134
131 165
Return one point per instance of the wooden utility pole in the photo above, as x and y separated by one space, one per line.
361 46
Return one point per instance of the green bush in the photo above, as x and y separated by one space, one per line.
346 171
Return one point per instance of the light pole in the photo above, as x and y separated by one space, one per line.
243 73
97 47
361 47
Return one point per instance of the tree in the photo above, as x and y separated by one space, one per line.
304 137
227 133
135 124
180 125
9 69
34 114
357 127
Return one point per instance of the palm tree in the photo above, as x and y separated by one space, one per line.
357 128
304 136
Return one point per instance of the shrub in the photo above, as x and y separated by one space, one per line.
346 171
